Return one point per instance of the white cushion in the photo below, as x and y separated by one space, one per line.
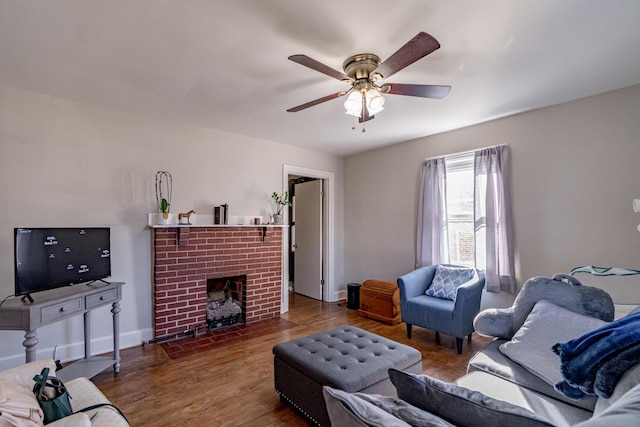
546 325
83 394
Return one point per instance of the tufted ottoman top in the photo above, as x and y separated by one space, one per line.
347 357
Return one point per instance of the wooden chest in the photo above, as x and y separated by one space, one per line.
380 301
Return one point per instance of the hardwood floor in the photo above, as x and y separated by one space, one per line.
233 385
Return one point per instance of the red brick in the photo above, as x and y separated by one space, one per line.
214 252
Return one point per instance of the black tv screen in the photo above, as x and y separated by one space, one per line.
47 258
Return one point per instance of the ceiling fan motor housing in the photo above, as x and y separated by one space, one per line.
361 65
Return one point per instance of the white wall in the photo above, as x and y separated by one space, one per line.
65 163
576 169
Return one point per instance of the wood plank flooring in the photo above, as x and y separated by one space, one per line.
233 385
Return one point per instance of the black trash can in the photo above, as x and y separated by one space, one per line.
353 296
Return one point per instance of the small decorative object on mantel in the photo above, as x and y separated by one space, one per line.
281 200
164 203
187 216
221 214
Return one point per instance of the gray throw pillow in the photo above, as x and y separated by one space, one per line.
358 409
348 410
447 280
459 405
622 413
404 411
546 325
629 380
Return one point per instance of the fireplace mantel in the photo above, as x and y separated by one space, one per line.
262 227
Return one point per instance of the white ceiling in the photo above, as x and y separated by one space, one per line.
223 63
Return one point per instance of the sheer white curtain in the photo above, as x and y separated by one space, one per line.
493 220
493 226
432 246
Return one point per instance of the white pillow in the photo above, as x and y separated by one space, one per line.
546 325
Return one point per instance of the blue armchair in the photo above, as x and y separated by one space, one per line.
451 317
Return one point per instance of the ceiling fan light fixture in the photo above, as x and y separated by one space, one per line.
353 104
364 71
375 101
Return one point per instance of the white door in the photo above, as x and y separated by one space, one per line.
308 239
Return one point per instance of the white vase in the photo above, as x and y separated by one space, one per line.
277 219
164 217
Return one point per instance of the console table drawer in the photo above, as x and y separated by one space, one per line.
95 300
61 310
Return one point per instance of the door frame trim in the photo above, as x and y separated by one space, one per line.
329 207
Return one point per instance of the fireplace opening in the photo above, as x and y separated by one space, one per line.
226 301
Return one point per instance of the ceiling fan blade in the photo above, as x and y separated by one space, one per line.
318 66
315 102
418 47
423 91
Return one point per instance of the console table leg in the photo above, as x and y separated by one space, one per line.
87 335
116 336
30 342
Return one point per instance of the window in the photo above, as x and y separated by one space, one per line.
464 214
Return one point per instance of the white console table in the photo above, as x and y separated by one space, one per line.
58 304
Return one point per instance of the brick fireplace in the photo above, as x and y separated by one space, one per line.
186 258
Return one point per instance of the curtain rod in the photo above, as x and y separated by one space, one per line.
461 153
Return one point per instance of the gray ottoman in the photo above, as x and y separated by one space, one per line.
347 358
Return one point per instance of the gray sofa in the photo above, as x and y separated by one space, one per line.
511 381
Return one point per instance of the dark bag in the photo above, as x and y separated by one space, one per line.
52 396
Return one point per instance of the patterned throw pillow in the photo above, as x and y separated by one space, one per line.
447 280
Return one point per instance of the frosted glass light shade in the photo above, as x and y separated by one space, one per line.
353 104
375 101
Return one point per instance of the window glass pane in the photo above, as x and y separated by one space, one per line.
460 209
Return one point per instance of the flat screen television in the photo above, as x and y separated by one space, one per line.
47 258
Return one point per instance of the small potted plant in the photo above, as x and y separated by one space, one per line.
281 200
164 207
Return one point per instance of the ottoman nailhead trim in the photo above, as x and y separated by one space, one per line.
299 408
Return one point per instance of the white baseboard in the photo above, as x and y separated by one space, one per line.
75 351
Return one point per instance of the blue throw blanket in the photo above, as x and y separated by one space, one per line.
593 363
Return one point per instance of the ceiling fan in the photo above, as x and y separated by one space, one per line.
365 71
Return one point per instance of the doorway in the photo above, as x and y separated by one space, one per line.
325 255
306 225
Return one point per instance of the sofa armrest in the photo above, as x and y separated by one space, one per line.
495 322
467 303
79 419
84 393
24 373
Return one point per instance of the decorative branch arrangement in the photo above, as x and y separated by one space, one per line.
164 203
